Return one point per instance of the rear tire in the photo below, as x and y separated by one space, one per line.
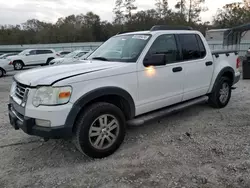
221 95
18 65
48 61
100 130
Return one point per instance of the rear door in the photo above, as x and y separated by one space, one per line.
197 65
31 58
160 86
44 55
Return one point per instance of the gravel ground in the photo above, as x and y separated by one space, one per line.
198 147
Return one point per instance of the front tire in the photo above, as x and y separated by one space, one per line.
100 130
18 65
221 95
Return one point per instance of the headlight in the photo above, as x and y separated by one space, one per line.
49 96
13 88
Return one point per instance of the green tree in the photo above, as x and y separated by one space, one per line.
232 15
181 6
129 7
162 7
194 10
191 8
119 16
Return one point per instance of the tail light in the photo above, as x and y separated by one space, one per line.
238 63
11 63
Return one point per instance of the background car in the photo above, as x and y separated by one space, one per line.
5 66
76 59
62 53
69 57
4 56
32 57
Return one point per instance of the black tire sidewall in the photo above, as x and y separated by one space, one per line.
84 126
1 73
48 61
20 64
217 92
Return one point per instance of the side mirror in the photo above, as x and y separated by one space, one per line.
27 54
155 60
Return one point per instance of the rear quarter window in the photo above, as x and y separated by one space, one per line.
201 46
44 51
191 47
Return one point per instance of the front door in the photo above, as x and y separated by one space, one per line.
160 86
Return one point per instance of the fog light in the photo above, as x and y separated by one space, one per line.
42 123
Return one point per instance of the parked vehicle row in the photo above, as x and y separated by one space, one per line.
71 57
35 57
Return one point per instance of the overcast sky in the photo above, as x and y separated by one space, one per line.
18 11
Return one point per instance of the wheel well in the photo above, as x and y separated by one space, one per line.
50 58
3 70
116 100
229 75
18 61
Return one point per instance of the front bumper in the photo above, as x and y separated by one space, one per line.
19 121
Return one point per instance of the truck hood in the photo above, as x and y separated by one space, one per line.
49 75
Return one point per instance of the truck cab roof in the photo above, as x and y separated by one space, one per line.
158 29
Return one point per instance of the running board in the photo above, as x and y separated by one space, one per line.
140 120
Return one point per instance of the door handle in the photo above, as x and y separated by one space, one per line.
209 63
177 69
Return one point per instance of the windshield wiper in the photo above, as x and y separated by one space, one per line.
100 58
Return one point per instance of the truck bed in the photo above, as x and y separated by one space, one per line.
218 52
224 57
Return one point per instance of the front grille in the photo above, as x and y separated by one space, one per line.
20 90
17 114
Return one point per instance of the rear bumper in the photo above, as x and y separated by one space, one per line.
7 68
18 121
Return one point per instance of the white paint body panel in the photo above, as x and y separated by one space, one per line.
4 64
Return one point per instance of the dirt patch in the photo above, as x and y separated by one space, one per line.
198 147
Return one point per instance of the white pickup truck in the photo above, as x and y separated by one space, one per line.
131 78
32 57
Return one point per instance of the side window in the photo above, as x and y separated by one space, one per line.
165 44
33 52
48 52
44 51
80 54
39 52
190 47
201 46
